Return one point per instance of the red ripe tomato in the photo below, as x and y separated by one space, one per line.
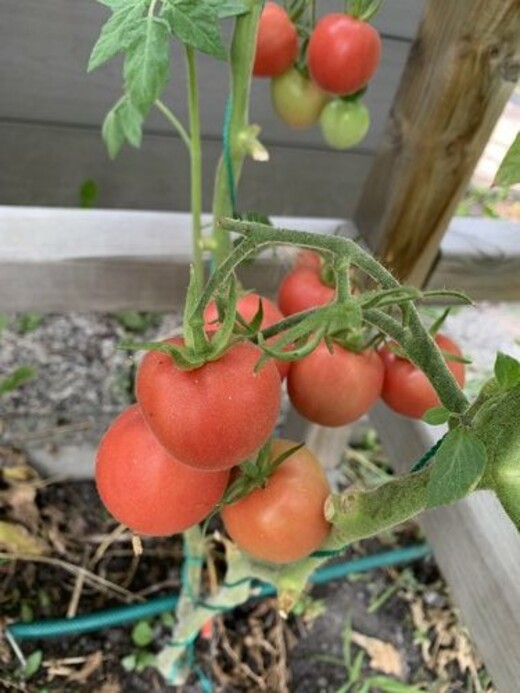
247 307
301 289
297 100
277 42
343 53
335 389
147 489
283 521
407 390
215 416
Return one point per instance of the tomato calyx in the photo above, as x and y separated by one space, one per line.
253 474
364 10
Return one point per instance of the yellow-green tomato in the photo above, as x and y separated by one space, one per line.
297 100
344 123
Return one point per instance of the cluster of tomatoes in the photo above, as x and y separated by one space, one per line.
336 63
169 461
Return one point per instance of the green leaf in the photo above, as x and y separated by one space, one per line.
88 194
509 171
147 63
457 467
144 659
17 378
112 133
228 8
507 371
128 662
142 634
436 416
387 685
29 322
118 32
123 122
196 24
32 664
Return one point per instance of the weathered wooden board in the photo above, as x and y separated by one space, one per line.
480 257
53 259
46 165
460 73
478 551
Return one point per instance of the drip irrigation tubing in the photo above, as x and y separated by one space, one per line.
109 618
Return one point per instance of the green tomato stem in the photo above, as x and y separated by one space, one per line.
412 337
196 166
242 58
175 122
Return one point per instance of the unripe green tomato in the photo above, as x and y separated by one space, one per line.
297 100
344 123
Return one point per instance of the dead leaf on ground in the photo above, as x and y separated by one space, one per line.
383 655
110 686
16 539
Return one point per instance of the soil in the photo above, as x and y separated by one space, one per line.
396 624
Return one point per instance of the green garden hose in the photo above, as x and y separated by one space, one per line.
108 618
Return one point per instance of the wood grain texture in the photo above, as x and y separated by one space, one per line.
480 257
46 165
477 549
461 70
62 260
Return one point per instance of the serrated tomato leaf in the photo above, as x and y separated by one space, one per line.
509 170
507 371
112 133
457 467
228 8
147 63
196 24
118 32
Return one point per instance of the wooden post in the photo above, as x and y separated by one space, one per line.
460 73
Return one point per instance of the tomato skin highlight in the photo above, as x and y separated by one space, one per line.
297 100
343 53
147 489
277 42
335 389
215 416
407 390
301 289
284 521
247 307
344 123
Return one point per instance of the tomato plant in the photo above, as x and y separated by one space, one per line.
147 489
214 416
296 99
282 521
277 42
334 389
344 53
407 390
302 288
344 123
247 308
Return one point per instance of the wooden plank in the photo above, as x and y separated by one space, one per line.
44 52
46 165
477 549
60 259
461 71
480 257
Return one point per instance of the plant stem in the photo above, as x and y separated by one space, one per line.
196 166
173 120
242 57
